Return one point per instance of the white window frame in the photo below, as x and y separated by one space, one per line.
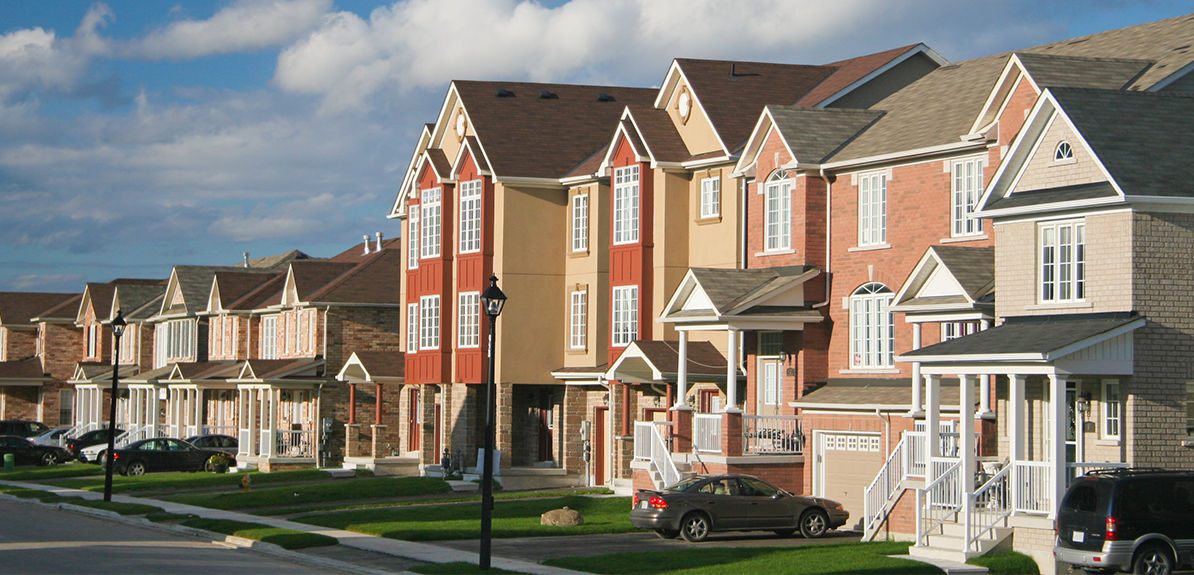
1063 152
580 223
128 343
470 216
967 181
579 319
413 229
468 334
625 312
175 340
429 322
412 328
626 204
955 329
777 202
872 327
710 197
92 339
872 209
1111 410
429 205
1061 261
269 336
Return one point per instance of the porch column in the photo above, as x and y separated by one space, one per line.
732 373
966 433
251 412
932 425
171 414
984 397
916 409
1015 431
352 404
198 411
682 374
1056 434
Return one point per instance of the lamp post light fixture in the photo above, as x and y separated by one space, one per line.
492 302
118 326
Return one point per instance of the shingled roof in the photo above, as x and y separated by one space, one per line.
1057 71
1030 335
18 308
22 370
814 134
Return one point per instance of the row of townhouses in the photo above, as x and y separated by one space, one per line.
932 291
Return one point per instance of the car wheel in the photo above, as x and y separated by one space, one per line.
49 458
694 528
667 533
208 466
1153 560
785 532
814 523
135 468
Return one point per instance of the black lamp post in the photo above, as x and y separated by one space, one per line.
117 331
493 300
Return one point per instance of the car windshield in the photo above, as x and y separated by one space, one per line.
684 485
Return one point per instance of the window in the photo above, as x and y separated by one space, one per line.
412 236
580 223
872 332
269 337
66 406
289 335
968 188
1063 262
128 345
93 340
771 343
778 200
429 322
579 324
1063 152
470 216
312 329
469 333
175 340
771 384
412 327
955 329
710 197
626 205
625 315
3 344
1111 413
429 205
872 209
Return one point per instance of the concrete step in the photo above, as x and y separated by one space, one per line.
932 552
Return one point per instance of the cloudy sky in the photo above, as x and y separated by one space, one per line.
136 135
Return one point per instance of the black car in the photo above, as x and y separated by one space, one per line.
161 454
22 428
95 437
695 507
26 452
1139 520
225 443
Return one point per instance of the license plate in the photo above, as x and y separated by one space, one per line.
643 504
1078 536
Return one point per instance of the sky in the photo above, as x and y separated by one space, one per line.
137 135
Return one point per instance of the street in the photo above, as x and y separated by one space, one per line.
41 540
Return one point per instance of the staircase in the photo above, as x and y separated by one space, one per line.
955 525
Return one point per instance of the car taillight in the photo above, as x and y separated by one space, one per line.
115 456
657 503
635 502
1112 529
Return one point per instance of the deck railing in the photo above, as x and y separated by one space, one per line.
706 436
883 490
1033 486
779 434
219 430
989 505
941 500
299 443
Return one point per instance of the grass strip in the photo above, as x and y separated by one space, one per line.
164 517
285 538
118 507
813 558
510 519
172 481
447 499
1007 563
57 472
455 568
367 488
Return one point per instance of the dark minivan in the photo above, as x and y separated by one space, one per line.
1139 520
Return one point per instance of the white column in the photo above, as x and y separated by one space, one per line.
254 412
681 402
1056 432
916 409
198 411
984 397
1015 431
932 425
966 431
732 373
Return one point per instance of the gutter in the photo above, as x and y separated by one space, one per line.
828 235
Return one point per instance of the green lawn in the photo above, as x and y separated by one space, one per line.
56 472
812 558
170 481
347 490
510 519
1007 563
285 538
446 498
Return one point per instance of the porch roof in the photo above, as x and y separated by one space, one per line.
647 361
192 372
585 373
1031 338
26 370
949 279
747 299
374 367
869 394
280 371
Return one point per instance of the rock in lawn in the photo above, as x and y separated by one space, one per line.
562 518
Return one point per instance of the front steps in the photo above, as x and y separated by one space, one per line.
950 543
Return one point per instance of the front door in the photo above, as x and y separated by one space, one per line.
770 386
546 426
414 420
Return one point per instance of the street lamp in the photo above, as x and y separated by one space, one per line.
118 325
492 301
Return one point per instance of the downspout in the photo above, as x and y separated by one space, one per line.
828 234
886 430
742 220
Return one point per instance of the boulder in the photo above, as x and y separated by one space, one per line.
562 518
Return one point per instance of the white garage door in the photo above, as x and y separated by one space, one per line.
848 463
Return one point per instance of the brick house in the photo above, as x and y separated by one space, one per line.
26 378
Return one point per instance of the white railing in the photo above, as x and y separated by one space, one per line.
772 434
136 433
266 443
642 440
163 430
706 437
988 506
649 445
244 442
1033 486
918 453
122 440
941 500
883 490
219 430
295 444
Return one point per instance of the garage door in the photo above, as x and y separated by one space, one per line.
848 464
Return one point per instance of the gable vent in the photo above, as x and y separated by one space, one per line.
504 93
547 95
603 97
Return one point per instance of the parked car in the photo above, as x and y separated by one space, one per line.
54 436
695 507
1127 520
225 443
22 428
76 445
26 452
161 454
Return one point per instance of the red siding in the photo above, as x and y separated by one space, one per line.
473 271
631 264
434 276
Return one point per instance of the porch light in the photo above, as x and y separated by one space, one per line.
493 299
118 326
1082 404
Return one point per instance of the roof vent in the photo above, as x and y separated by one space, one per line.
366 245
379 237
246 259
547 95
504 93
603 97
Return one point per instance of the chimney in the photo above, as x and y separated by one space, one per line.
366 244
246 259
379 236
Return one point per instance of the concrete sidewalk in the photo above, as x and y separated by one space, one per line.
417 551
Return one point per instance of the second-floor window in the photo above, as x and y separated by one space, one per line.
412 237
872 332
968 188
580 223
872 209
429 205
579 323
469 334
1062 261
955 329
93 340
625 315
269 337
175 340
412 327
626 205
128 345
778 199
470 216
429 322
710 197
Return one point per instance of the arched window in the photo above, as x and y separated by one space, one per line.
1063 152
778 209
872 331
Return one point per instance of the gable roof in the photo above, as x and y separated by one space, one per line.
646 361
972 269
1031 338
63 312
19 308
139 301
194 283
722 292
279 260
853 71
811 135
374 367
233 288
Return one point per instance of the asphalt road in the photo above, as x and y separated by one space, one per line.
41 540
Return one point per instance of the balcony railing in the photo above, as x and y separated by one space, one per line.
778 434
706 437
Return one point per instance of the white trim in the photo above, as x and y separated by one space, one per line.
1166 81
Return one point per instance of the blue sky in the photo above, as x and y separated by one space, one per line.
137 135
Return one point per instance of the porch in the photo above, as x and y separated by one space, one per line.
277 414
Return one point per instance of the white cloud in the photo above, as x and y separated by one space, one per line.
243 26
34 282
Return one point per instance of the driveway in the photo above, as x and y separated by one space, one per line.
538 549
